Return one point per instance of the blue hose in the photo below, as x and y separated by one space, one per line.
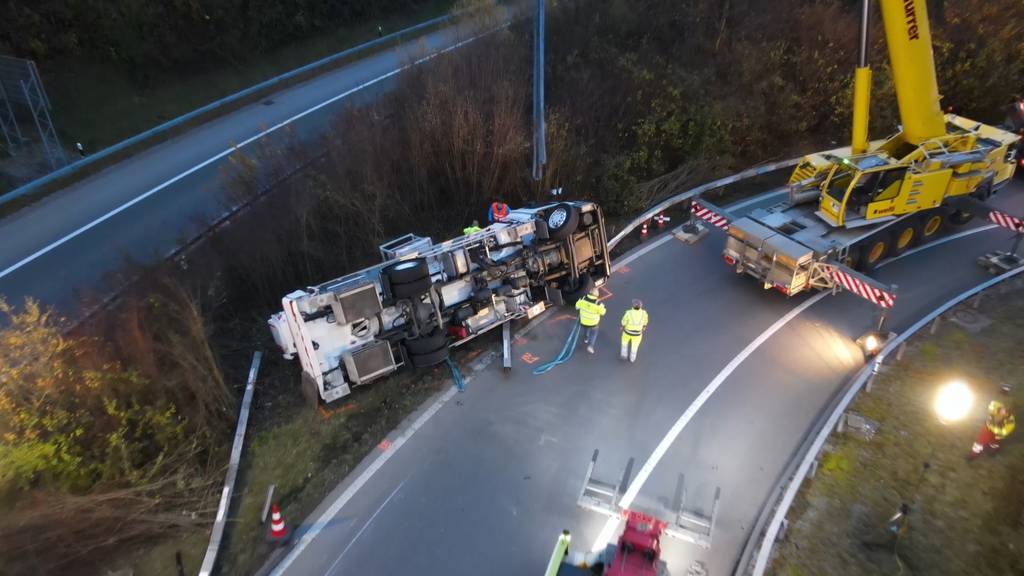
565 354
456 376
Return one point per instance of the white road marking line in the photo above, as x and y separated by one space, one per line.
940 241
642 251
360 480
612 524
209 161
363 529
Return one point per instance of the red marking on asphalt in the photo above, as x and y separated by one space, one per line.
607 294
384 444
472 354
520 340
529 358
623 269
563 317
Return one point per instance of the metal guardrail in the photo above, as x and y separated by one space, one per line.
826 427
687 195
70 169
217 534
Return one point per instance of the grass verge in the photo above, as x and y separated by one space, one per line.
965 518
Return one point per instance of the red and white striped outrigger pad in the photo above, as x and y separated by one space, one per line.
709 215
862 288
1006 221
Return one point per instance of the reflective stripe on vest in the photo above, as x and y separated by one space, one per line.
500 210
634 322
590 312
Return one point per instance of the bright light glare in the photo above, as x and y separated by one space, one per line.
871 343
953 401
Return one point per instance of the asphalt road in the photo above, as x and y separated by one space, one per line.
490 478
142 208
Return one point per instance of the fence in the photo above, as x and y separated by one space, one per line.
823 430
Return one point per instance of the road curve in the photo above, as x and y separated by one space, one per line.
141 208
487 483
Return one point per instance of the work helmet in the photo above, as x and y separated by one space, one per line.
995 407
637 303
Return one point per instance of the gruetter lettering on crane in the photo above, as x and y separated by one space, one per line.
911 12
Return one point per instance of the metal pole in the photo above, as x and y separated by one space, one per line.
539 145
1016 243
865 18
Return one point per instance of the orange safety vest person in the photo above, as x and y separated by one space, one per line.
498 212
590 317
1000 424
634 324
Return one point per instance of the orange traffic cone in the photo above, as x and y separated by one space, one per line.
278 529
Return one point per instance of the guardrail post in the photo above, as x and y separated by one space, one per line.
935 325
814 469
782 530
977 301
901 350
841 424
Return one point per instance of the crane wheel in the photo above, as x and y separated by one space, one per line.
905 236
875 250
932 225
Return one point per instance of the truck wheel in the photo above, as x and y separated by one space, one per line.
407 271
583 287
410 290
427 343
852 259
932 224
430 358
961 217
904 236
562 221
310 391
874 251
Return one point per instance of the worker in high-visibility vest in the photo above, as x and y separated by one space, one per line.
472 228
590 317
1000 424
498 212
634 324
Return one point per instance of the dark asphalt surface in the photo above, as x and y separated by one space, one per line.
486 485
30 263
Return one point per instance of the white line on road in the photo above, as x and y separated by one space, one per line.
360 480
363 529
659 452
209 161
610 526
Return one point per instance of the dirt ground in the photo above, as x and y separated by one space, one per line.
966 518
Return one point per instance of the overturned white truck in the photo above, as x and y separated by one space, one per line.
425 299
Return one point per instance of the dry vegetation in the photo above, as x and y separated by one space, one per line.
124 427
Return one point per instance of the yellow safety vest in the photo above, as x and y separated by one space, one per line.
634 321
1002 428
590 311
471 230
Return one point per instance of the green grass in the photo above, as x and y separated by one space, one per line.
965 517
99 105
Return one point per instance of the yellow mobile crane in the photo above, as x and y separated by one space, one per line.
857 205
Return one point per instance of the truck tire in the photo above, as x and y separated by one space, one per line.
427 343
407 271
904 236
873 252
932 224
583 287
430 358
961 217
310 391
410 290
562 220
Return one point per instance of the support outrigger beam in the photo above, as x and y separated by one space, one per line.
687 525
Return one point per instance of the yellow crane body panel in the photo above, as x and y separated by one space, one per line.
909 39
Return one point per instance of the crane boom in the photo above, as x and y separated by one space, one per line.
909 39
